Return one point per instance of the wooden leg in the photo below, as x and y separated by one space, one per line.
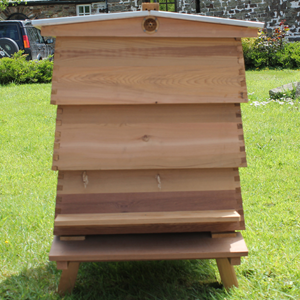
68 278
227 273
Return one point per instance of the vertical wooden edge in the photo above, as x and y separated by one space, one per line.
59 187
237 178
68 278
57 134
227 273
60 175
59 110
235 261
243 161
58 122
57 211
55 157
58 199
62 265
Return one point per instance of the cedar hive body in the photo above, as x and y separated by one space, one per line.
149 134
148 122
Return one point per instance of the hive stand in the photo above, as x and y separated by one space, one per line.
148 139
227 251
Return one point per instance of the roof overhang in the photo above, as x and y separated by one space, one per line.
127 15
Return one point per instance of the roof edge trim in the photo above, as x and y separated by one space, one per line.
134 14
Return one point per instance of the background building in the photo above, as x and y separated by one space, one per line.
269 11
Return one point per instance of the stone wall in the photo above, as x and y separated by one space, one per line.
40 11
269 11
272 12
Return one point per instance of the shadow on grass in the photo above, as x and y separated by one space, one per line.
145 280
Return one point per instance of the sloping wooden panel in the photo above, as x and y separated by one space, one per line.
147 71
133 28
139 191
148 137
146 181
145 202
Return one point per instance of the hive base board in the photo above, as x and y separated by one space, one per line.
146 247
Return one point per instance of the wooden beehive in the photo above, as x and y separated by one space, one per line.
149 133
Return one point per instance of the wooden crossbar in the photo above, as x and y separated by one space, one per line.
177 217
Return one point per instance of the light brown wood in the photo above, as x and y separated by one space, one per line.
72 238
145 202
150 6
145 181
132 28
147 137
112 219
62 265
143 71
216 235
68 278
227 273
148 247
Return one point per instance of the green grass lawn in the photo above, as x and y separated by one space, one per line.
271 194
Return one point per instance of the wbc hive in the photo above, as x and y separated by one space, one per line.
148 138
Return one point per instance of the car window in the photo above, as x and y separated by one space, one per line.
40 36
9 31
33 35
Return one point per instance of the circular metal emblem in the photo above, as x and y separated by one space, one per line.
150 25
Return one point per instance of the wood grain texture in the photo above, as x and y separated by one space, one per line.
146 229
133 28
217 235
68 278
148 247
145 181
146 202
144 218
147 71
227 273
148 137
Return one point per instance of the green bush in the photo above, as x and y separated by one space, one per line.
271 50
18 70
286 57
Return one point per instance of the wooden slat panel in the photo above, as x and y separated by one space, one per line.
142 71
145 181
148 247
90 224
133 28
145 218
135 229
147 137
146 202
155 218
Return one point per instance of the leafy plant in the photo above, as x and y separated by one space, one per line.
271 50
18 70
